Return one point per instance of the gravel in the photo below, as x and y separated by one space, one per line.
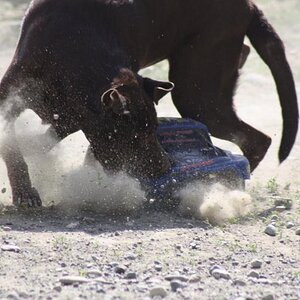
145 262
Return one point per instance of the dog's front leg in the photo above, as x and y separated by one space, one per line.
23 194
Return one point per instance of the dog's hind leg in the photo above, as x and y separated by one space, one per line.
23 193
205 79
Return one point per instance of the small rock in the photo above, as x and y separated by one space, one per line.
268 297
11 248
131 275
256 264
290 225
93 274
194 279
175 285
120 270
218 273
280 208
271 230
57 288
6 228
239 282
178 247
130 256
286 202
67 280
113 264
158 292
177 278
298 231
253 274
72 225
158 268
13 296
214 267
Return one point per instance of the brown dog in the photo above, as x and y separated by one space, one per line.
76 66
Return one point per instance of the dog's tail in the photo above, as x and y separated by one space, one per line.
270 48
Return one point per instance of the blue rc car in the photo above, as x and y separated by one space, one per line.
194 157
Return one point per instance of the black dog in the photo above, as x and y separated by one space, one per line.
76 66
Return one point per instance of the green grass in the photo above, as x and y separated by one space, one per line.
273 186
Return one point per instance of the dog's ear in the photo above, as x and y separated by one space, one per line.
157 89
113 100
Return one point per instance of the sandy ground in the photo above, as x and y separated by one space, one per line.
144 253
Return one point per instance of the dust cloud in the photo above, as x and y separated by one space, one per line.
214 203
59 174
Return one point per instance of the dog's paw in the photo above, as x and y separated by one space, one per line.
27 198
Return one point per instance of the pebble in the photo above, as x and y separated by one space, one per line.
175 285
13 296
214 268
73 280
6 228
131 275
268 297
177 278
194 279
271 230
113 264
298 231
158 292
286 202
57 288
130 256
256 264
290 225
218 272
93 273
120 270
72 225
253 274
158 268
239 282
280 208
11 248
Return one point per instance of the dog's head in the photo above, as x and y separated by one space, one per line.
130 122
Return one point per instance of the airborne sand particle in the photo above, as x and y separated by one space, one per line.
216 203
